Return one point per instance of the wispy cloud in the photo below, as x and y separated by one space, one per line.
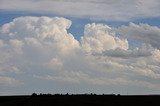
121 10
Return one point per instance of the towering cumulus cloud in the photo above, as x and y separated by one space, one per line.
37 52
99 37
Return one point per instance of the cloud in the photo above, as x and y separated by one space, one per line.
81 78
7 81
94 9
39 50
144 51
99 37
34 40
141 32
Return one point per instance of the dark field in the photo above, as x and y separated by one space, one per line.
80 100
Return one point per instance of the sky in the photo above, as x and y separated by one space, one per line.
79 46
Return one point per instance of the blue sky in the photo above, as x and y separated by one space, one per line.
79 46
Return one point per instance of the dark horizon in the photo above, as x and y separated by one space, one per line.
80 100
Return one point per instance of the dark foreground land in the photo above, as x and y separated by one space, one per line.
80 100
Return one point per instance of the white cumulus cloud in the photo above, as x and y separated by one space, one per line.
99 37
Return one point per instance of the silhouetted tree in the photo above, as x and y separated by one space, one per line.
34 94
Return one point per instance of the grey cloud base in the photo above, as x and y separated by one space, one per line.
38 51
